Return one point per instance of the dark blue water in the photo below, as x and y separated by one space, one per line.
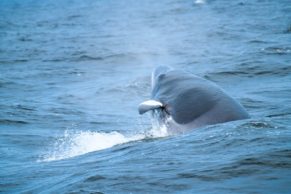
72 74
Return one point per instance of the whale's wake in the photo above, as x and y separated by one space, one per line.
73 144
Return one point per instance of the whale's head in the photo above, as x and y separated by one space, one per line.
159 105
183 101
179 98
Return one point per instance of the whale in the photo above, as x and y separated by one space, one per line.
182 101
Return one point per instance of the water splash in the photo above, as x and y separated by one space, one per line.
73 144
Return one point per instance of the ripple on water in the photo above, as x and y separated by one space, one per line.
277 50
250 71
12 122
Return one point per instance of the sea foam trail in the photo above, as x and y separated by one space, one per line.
78 143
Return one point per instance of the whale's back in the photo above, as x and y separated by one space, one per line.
188 98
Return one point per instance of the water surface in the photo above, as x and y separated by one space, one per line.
72 74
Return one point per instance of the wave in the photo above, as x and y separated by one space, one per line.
73 144
277 50
12 122
83 56
250 71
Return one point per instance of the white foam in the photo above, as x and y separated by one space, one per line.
200 1
78 143
158 132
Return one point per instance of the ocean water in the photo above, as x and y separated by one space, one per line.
72 74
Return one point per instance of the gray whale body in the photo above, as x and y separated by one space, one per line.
183 101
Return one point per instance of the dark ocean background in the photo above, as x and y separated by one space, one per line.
73 72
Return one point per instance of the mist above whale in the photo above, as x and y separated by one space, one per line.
183 101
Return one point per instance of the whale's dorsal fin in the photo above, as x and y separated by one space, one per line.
149 105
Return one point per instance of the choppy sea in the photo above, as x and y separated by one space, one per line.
73 72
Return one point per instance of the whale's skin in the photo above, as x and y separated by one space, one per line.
188 101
